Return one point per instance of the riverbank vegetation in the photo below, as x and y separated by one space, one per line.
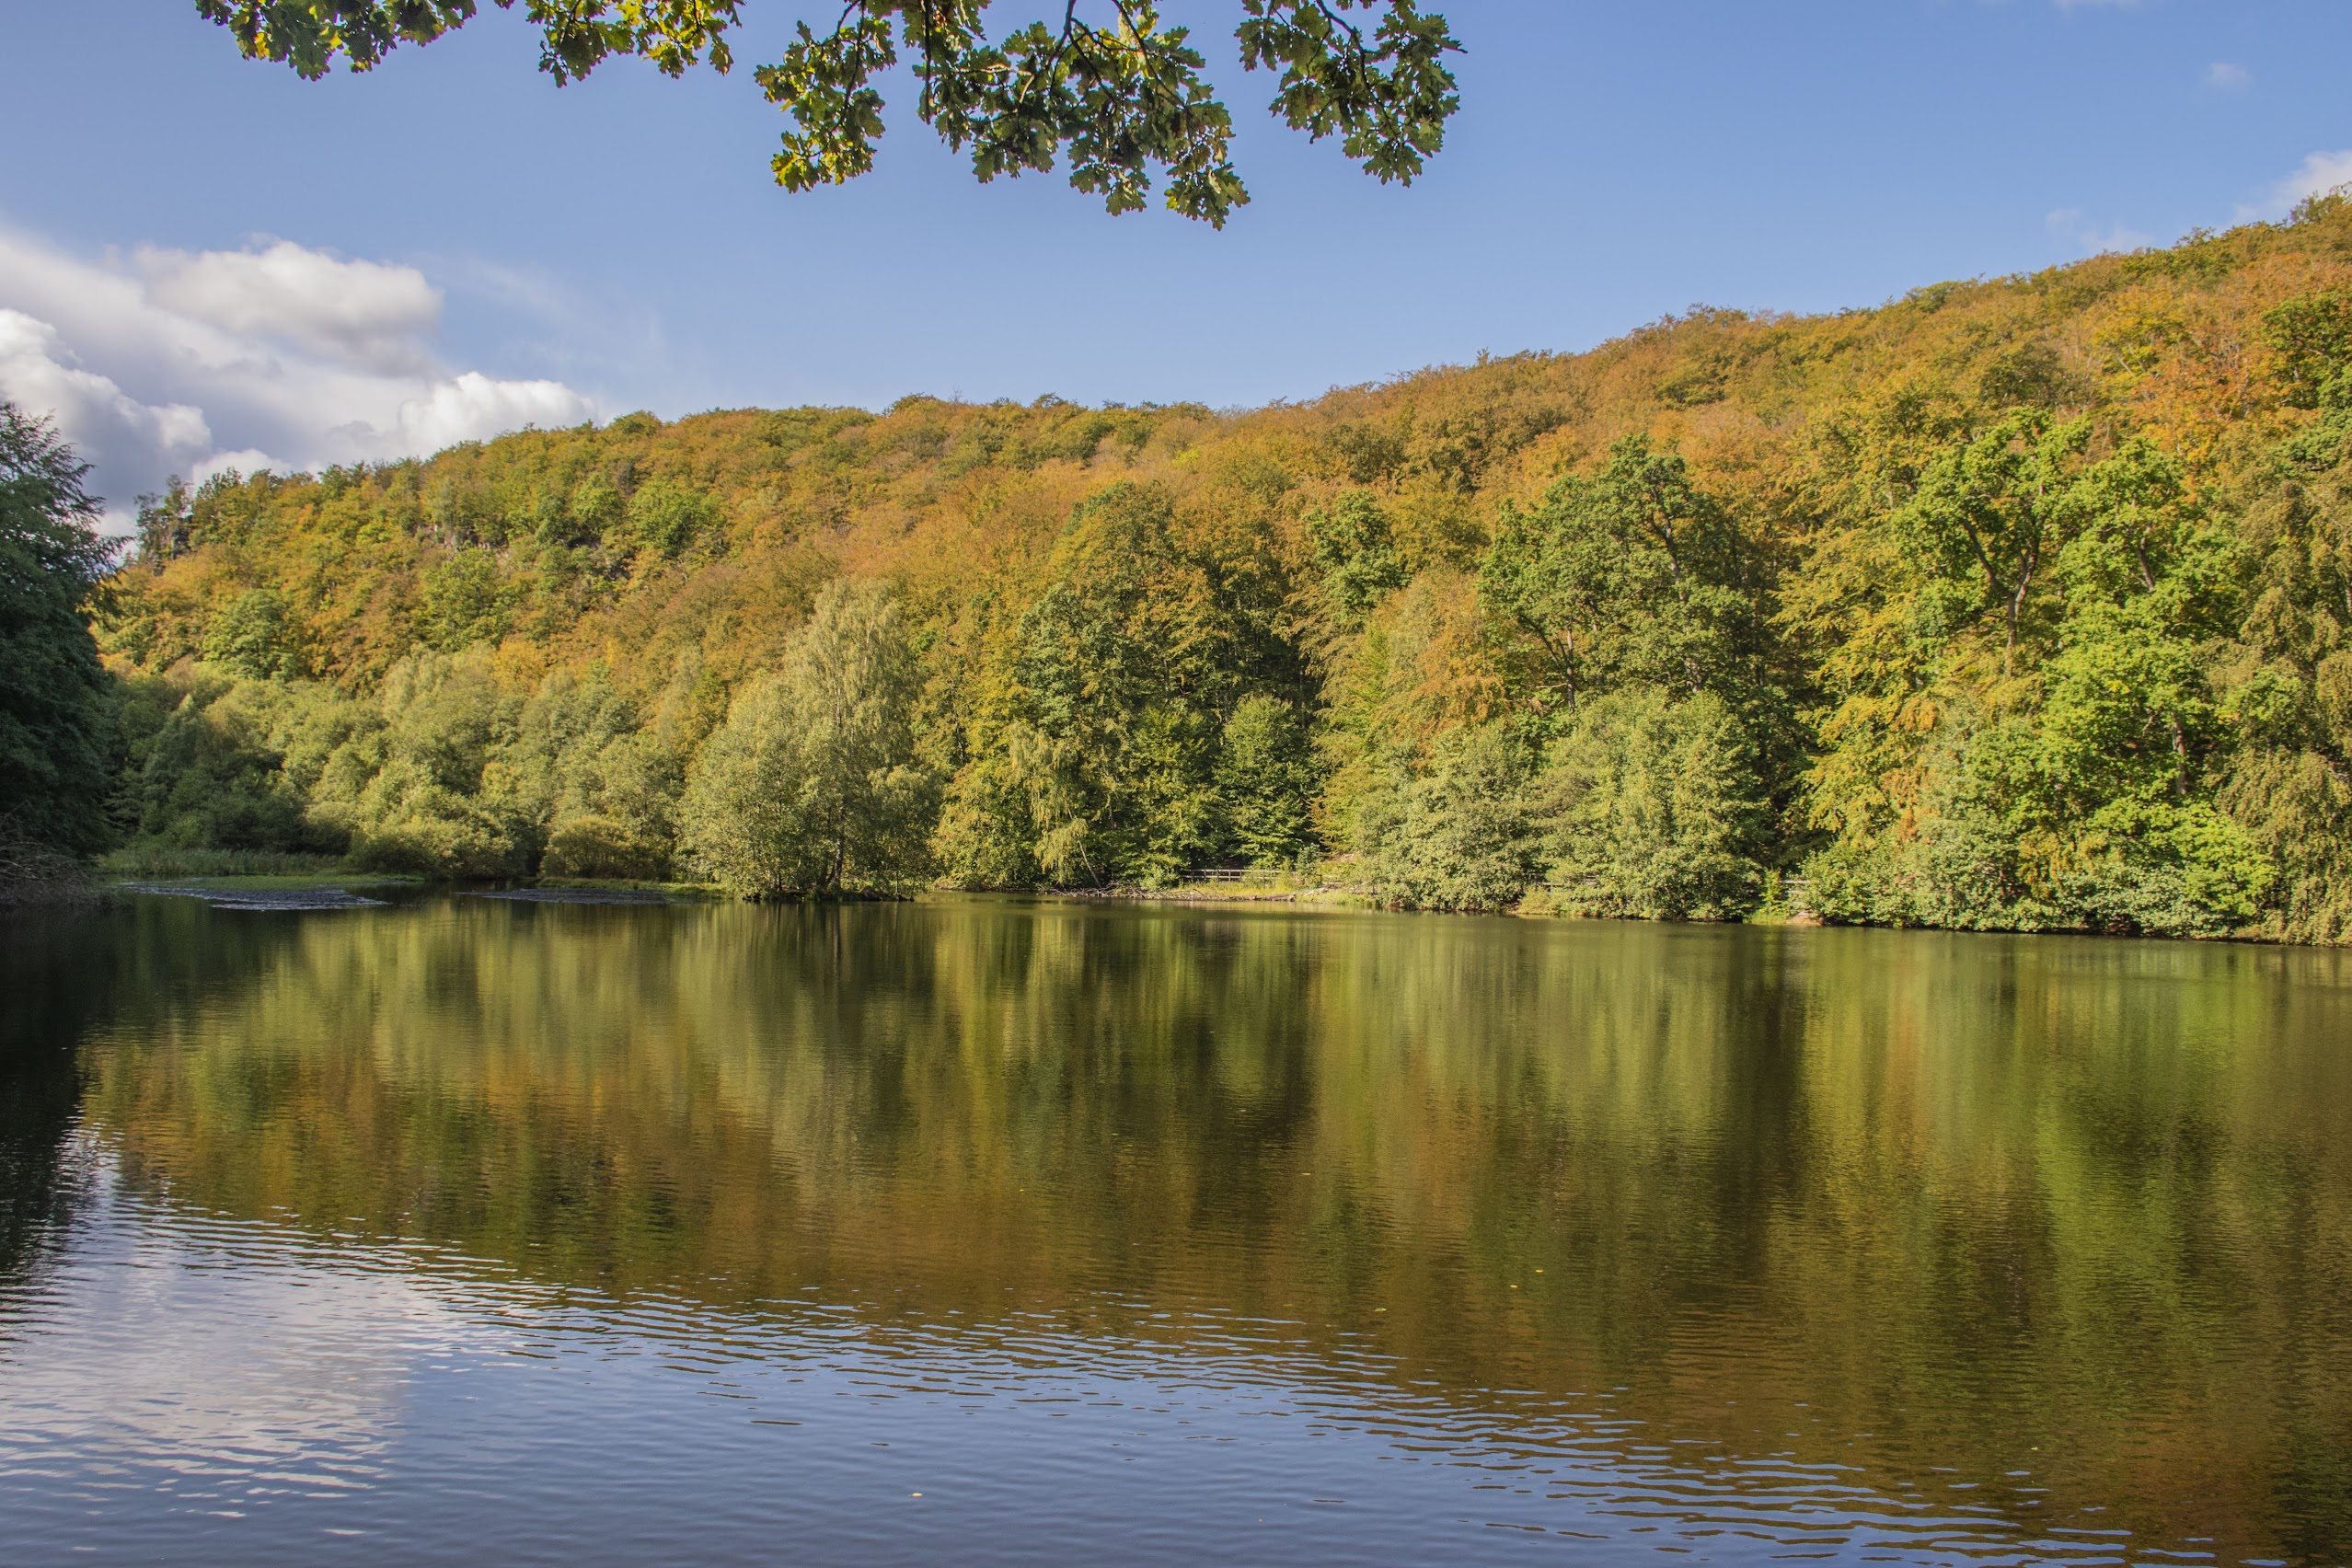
2013 605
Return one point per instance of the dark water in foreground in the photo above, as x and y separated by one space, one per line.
996 1232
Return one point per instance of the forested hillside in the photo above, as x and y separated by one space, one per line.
2008 605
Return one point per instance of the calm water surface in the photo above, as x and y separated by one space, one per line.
988 1230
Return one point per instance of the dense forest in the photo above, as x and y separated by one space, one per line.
2010 605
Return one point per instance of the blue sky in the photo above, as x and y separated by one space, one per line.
204 261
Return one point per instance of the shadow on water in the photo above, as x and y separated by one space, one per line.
1919 1205
53 981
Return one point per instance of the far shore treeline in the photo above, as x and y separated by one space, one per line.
2018 605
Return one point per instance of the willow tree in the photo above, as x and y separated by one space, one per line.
1104 83
812 788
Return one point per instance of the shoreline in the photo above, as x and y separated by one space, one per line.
287 890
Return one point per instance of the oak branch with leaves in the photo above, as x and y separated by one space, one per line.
1105 81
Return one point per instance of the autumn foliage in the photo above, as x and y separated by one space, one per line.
2017 603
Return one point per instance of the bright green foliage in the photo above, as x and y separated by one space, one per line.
2080 794
2292 786
1112 89
1095 756
55 740
422 791
1983 518
1266 781
1651 807
440 770
1459 836
1636 580
1633 574
2313 338
668 518
812 788
1356 553
465 602
1420 666
1994 848
207 765
593 793
253 635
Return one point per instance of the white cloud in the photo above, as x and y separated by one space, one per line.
112 430
2069 224
2320 173
366 313
2223 77
244 460
171 361
465 407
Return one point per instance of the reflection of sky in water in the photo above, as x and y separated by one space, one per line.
182 1386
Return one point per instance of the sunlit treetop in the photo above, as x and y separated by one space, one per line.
1103 83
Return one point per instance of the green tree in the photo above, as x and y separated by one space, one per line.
1459 836
2312 335
812 787
207 765
1265 781
164 524
599 786
55 738
466 601
422 788
255 636
1631 574
1104 84
1651 807
1988 515
1356 553
2065 618
666 518
1094 752
2291 785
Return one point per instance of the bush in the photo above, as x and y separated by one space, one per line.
1985 851
206 765
602 846
33 876
1458 837
1651 808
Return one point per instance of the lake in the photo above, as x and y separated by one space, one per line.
1001 1231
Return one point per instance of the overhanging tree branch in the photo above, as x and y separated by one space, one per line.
1122 98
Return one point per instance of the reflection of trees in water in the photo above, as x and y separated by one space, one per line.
2078 1207
47 967
61 973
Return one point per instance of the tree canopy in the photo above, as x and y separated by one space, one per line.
56 761
1105 85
